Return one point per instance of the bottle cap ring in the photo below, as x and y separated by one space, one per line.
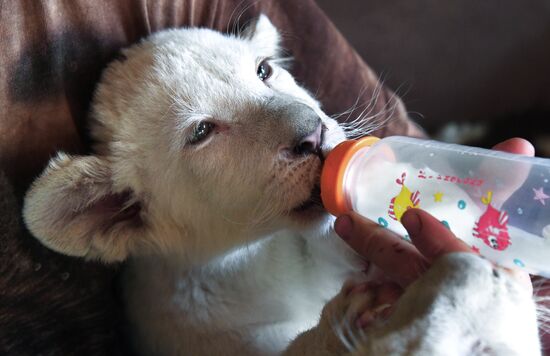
334 169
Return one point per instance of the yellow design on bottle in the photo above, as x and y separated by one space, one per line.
404 200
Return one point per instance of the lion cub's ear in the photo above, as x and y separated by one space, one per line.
264 37
74 209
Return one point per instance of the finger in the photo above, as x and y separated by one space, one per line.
430 236
433 240
516 145
399 260
509 182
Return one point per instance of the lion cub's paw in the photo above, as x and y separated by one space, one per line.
344 318
357 307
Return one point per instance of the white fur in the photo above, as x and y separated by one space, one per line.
221 262
461 306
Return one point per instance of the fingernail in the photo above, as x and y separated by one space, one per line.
343 226
383 311
364 320
411 222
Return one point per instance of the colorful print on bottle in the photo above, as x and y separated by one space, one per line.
404 200
492 226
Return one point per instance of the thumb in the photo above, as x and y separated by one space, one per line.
430 236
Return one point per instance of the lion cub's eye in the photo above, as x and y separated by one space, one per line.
201 131
264 70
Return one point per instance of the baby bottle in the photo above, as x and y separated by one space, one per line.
496 202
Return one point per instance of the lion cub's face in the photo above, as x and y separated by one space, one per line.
204 143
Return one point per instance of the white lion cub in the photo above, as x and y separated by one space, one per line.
205 178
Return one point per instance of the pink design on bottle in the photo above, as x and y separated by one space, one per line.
492 226
540 195
404 200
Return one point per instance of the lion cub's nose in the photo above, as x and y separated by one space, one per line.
310 143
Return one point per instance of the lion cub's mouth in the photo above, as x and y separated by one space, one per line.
313 206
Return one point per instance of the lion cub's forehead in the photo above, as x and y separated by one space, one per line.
203 53
197 68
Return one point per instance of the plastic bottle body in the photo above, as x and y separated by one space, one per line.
496 202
